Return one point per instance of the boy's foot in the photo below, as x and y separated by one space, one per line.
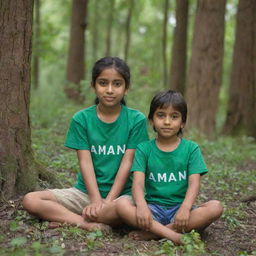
142 235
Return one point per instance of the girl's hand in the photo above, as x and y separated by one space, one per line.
144 218
90 212
181 219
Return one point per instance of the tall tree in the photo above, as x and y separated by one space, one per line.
17 167
109 27
128 29
76 63
164 42
36 45
242 101
95 39
205 71
179 48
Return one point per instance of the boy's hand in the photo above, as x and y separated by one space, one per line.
90 212
181 219
144 217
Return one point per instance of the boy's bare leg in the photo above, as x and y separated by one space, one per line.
200 218
127 211
44 205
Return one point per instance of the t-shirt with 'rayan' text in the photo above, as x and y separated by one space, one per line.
107 143
166 173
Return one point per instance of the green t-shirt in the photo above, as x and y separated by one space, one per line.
107 142
166 173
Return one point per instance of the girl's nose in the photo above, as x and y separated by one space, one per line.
110 88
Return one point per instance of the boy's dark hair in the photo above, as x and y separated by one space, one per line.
111 62
164 100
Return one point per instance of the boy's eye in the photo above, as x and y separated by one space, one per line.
160 115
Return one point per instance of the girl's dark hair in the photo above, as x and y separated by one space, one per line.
164 100
111 62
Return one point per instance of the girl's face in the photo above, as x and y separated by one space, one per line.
110 88
167 122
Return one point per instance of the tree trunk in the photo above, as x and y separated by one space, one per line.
164 41
205 71
109 28
128 30
76 63
242 102
179 48
95 38
36 45
17 172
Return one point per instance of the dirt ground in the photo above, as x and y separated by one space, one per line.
219 238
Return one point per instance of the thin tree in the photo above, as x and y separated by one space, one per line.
179 49
242 98
95 39
109 27
17 167
164 41
76 54
205 71
36 45
128 29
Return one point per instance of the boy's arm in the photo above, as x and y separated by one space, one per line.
182 216
87 170
143 214
122 175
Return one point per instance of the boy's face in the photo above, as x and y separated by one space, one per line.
167 122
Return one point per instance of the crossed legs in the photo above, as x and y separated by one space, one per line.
44 205
200 218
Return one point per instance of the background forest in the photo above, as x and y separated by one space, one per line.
205 49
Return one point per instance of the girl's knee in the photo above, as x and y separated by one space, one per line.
28 201
122 205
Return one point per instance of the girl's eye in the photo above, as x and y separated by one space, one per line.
117 83
160 115
175 116
102 83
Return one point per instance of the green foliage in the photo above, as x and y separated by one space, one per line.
192 246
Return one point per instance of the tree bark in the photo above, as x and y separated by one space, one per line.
179 48
95 38
205 71
242 100
17 172
128 30
109 28
36 45
164 42
76 58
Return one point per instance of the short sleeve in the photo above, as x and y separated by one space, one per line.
140 160
138 134
76 136
196 162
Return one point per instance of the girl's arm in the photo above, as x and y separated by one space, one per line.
87 170
182 216
122 175
143 214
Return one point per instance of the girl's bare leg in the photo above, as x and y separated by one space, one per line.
127 211
44 205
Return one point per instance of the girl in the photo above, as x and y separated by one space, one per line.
104 136
169 169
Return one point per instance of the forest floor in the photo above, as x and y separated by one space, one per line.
231 179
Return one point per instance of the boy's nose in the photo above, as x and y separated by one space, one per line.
167 120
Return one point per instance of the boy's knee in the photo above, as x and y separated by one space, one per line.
216 208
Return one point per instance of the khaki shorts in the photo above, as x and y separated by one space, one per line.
74 199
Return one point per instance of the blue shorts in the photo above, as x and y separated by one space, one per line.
162 214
